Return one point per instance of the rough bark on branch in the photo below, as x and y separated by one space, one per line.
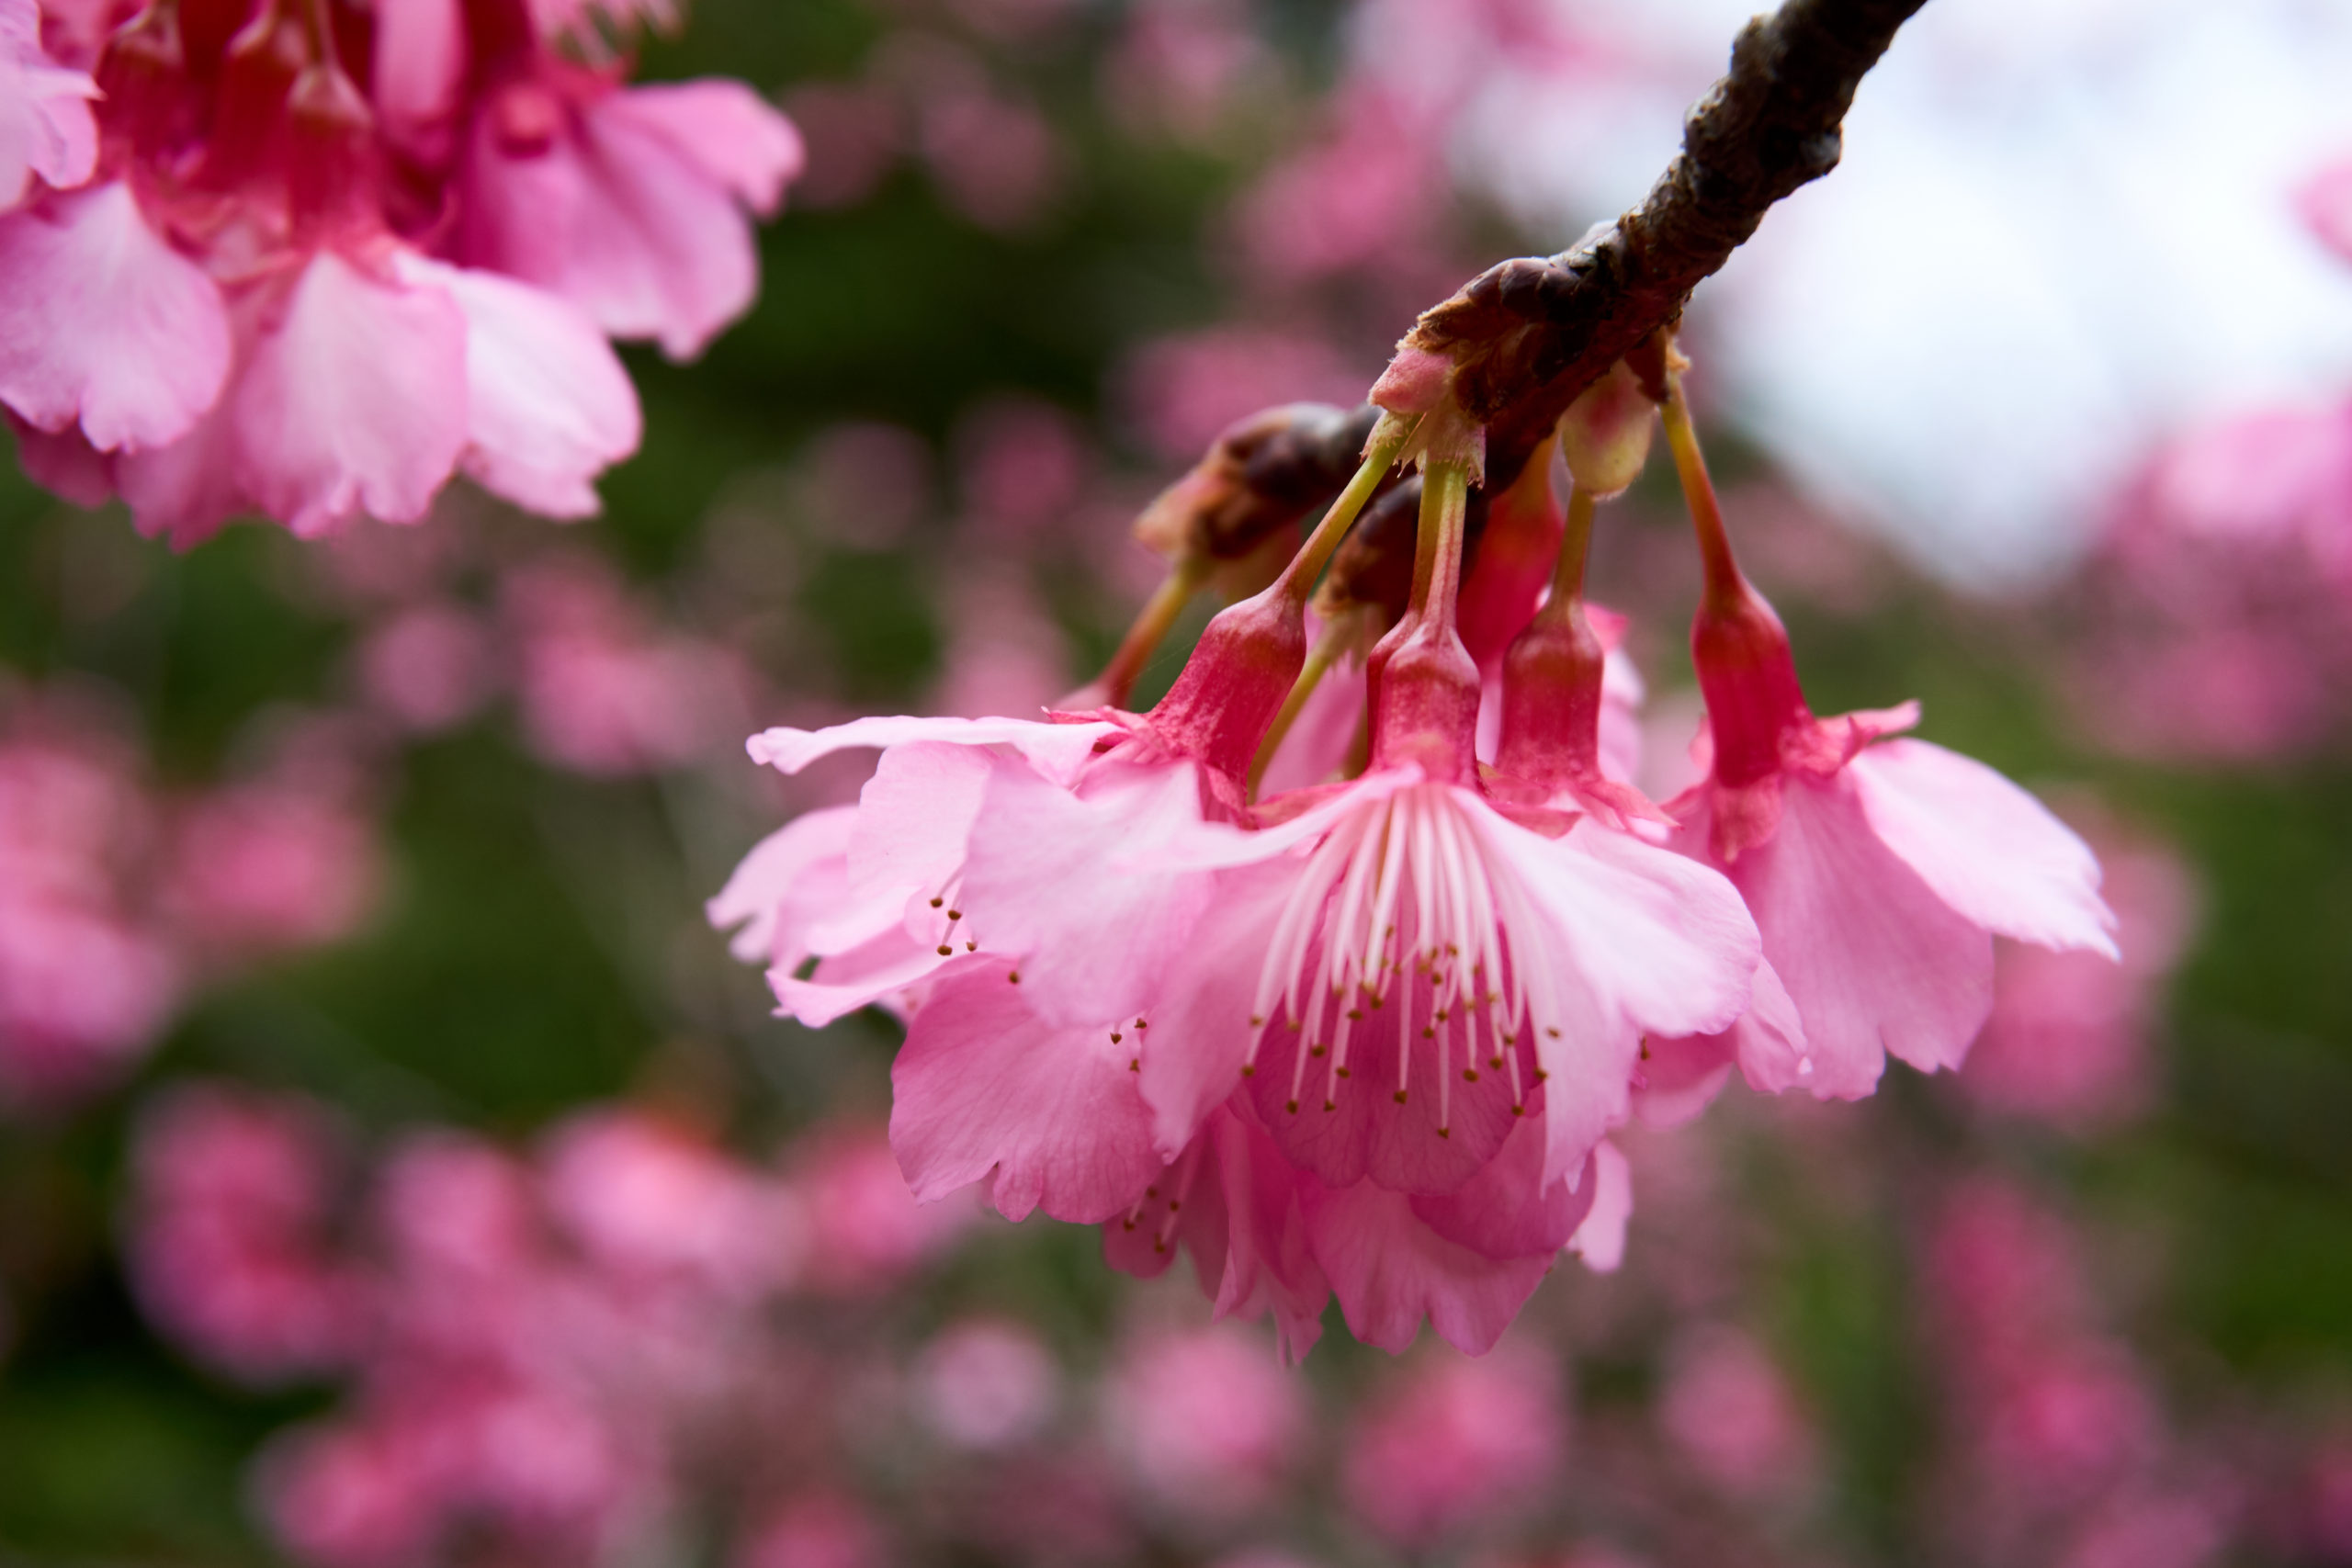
1529 334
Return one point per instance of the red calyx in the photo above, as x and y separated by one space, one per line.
1748 676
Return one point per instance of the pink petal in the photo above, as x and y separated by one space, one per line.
1056 750
873 972
1873 960
757 892
1988 848
101 321
1507 1211
547 405
1199 1031
1242 1223
1390 1271
740 139
1639 942
1269 1265
46 128
1774 1055
186 490
1681 1077
617 217
64 463
354 400
1052 878
982 1087
915 816
1601 1240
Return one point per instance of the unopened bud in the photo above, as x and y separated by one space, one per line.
1260 477
1605 435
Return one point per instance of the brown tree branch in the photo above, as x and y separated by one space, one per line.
1529 334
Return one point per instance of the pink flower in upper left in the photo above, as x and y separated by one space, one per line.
47 132
269 291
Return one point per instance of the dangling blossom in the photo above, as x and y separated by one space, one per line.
261 297
1879 870
1356 1003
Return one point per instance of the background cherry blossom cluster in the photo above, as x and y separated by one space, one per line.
395 1167
311 259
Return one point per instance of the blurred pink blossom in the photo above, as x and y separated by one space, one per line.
429 667
1360 195
535 1348
985 1383
2210 622
1732 1413
994 157
863 484
1181 65
2325 200
866 1231
1453 1442
233 1232
87 978
1004 654
1181 392
1021 464
601 689
2070 1037
1207 1420
817 1530
653 1202
267 865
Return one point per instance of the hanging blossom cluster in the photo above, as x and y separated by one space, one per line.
1338 967
311 259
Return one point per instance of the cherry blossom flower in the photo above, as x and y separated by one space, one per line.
1100 940
865 1232
1878 870
230 1240
276 291
87 977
